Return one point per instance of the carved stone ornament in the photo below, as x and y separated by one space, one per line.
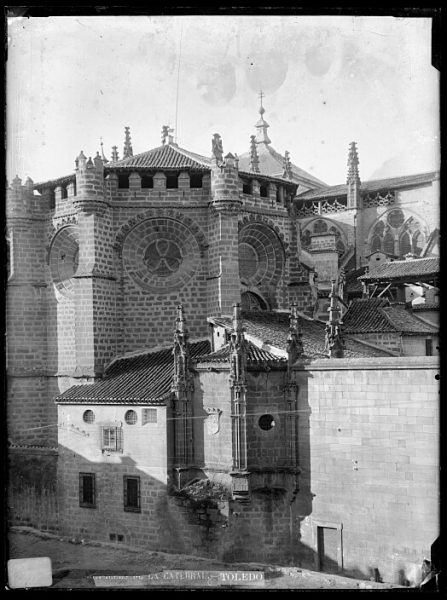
213 420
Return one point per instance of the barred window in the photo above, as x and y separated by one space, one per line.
131 490
149 415
130 417
88 416
87 490
112 439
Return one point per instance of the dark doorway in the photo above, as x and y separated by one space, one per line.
328 549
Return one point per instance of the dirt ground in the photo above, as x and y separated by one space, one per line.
86 565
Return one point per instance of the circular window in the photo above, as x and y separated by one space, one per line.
130 417
396 218
248 261
266 422
88 416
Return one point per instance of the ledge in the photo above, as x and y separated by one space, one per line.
376 363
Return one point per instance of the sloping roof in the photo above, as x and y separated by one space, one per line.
375 185
413 269
425 306
273 329
143 378
255 357
376 315
64 180
168 156
271 163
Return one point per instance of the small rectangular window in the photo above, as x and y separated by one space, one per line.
428 347
171 181
131 494
112 439
87 490
123 182
246 187
195 181
149 415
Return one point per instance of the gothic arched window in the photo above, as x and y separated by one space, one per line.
376 243
388 243
320 227
405 244
418 243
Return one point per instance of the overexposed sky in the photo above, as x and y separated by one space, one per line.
327 81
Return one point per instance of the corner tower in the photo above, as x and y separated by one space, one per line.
95 279
225 205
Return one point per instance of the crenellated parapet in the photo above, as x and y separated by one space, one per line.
21 201
90 184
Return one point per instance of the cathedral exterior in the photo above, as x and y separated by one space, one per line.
174 319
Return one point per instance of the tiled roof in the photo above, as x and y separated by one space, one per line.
376 315
426 306
255 357
138 378
412 269
55 182
168 156
375 185
271 163
273 329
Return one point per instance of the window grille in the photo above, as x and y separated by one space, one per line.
149 415
112 439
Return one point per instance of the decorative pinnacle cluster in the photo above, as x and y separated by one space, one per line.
353 164
127 152
254 158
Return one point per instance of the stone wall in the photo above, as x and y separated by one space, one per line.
370 459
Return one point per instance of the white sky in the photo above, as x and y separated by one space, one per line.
327 81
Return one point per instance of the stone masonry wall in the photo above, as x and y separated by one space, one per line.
369 452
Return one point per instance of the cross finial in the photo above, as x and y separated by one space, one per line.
261 96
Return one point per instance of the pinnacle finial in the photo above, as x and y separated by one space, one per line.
237 322
167 135
217 147
115 156
294 341
287 166
254 158
104 158
261 125
334 341
128 151
353 164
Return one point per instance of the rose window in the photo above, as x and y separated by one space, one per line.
162 258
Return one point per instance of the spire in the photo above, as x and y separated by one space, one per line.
254 158
262 126
103 156
287 174
334 344
353 164
127 152
115 156
294 341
